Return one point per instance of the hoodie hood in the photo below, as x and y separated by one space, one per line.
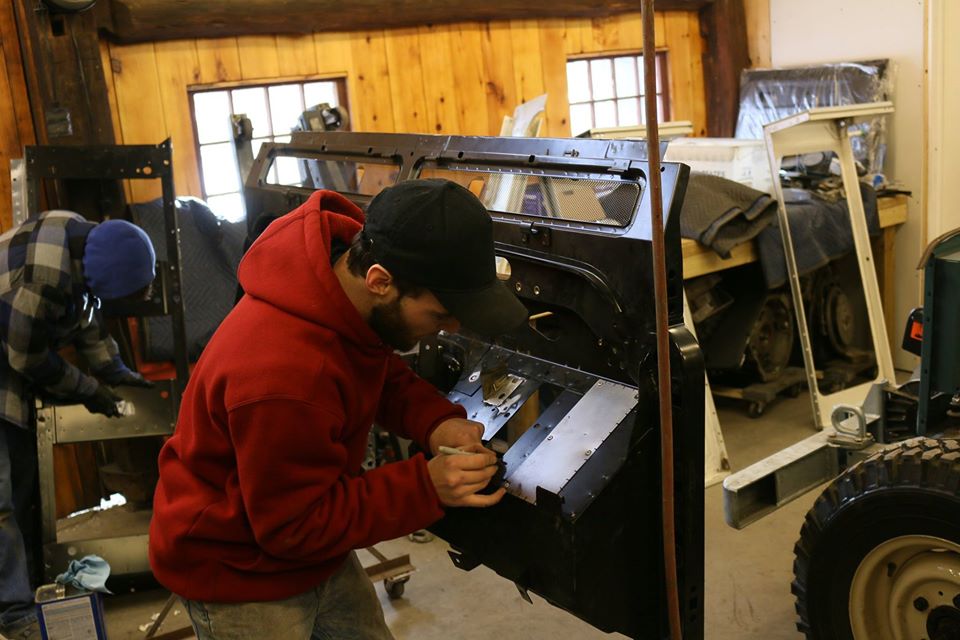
289 266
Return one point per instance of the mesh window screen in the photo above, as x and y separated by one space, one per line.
608 202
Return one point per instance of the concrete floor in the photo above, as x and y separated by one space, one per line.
748 572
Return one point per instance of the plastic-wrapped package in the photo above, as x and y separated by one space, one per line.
771 94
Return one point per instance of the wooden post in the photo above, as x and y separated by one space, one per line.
724 25
68 96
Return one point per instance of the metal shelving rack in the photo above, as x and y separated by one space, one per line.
156 409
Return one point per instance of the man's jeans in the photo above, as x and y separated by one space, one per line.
345 607
18 475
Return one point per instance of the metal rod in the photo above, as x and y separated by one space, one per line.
663 340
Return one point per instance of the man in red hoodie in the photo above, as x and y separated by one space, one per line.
261 500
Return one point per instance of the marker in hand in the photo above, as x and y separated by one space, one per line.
450 451
495 483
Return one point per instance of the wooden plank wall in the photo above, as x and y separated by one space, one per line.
16 123
451 79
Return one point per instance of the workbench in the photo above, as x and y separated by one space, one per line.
699 260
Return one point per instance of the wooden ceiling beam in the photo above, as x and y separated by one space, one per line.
153 20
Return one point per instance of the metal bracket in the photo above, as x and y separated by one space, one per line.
850 426
534 234
18 184
523 592
463 561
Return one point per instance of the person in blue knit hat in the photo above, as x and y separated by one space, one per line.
55 269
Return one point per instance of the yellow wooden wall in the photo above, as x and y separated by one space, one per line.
451 79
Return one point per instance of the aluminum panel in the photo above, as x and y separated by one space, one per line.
571 443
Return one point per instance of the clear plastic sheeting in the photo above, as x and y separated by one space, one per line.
767 95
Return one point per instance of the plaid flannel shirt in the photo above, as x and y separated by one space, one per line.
44 306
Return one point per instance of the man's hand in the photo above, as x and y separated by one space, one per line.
457 478
455 433
103 401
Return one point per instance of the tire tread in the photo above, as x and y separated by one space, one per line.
918 462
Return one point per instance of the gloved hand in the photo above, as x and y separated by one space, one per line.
117 374
103 401
128 378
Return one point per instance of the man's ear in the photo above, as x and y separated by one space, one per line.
379 281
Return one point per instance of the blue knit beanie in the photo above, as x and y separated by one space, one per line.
118 259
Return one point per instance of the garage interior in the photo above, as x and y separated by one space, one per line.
799 363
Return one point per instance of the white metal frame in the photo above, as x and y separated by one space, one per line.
827 129
716 462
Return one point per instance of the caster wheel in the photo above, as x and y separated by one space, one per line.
794 390
421 536
395 588
755 410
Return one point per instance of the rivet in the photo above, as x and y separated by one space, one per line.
536 290
518 286
550 437
588 453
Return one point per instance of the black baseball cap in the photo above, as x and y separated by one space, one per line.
436 234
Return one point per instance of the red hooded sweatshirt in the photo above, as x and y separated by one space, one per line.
261 494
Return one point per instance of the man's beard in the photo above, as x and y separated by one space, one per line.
387 321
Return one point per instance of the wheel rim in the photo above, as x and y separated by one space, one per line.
899 584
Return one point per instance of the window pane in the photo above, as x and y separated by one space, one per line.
601 73
581 118
288 171
229 207
578 81
660 73
253 102
643 111
606 113
641 75
220 172
315 93
212 111
627 112
256 144
626 72
285 107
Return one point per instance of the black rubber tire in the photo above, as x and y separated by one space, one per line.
756 409
912 488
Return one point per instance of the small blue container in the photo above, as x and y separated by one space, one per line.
68 613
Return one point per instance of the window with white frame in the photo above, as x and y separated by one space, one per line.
609 92
273 111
